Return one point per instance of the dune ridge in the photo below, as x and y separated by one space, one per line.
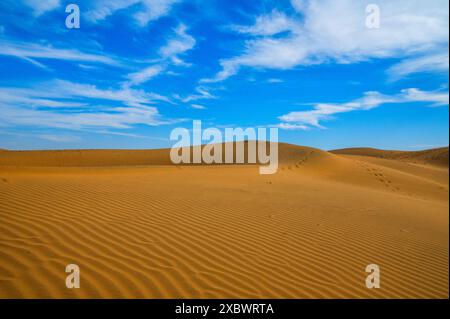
436 156
141 229
98 158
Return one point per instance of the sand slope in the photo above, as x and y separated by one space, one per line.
437 156
139 230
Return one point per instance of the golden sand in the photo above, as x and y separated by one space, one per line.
139 227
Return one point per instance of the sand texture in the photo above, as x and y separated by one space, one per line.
139 227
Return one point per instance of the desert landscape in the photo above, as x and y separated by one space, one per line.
139 227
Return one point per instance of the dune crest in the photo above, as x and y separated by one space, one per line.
437 156
288 153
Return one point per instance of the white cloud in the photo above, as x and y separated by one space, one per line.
145 74
370 100
291 127
275 80
175 46
62 104
270 24
130 97
202 93
300 5
31 51
121 119
146 10
334 31
33 99
416 95
41 6
198 106
59 138
427 63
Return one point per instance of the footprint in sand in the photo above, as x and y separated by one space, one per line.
381 178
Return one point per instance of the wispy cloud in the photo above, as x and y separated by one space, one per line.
198 106
32 52
291 127
62 104
41 6
59 138
145 75
201 93
274 80
428 63
130 97
176 45
145 10
334 31
269 24
324 111
33 99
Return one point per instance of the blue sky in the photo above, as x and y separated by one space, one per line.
136 69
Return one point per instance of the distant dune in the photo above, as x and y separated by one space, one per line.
102 158
287 153
85 158
140 227
437 156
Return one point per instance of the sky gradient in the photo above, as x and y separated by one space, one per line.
135 70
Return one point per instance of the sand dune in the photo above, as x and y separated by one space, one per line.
437 156
139 227
108 158
85 158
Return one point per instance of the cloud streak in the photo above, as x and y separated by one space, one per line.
145 12
269 24
42 6
325 111
145 75
62 104
201 93
180 43
429 63
30 52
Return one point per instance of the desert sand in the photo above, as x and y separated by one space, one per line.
139 227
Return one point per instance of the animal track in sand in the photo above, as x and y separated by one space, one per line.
380 176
